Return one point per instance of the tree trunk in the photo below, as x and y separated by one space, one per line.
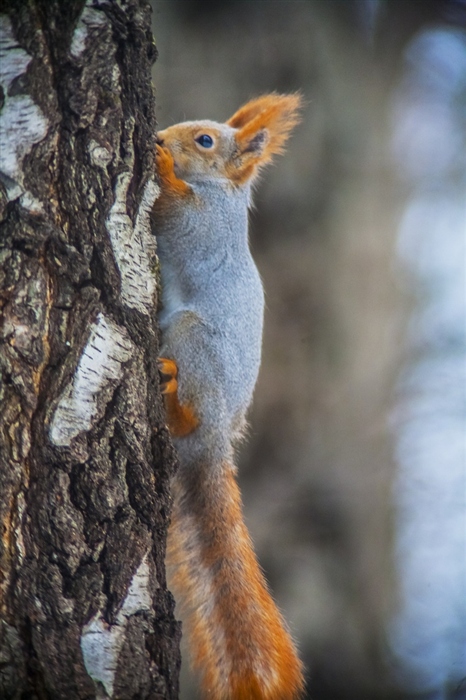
85 456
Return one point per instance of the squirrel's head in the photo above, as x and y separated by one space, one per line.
200 149
237 149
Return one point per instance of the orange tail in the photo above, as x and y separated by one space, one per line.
237 637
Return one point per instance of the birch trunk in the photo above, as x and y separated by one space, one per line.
85 457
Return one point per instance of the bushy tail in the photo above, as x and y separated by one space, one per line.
237 638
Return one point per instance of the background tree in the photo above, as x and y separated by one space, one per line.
85 456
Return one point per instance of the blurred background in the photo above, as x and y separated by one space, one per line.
354 473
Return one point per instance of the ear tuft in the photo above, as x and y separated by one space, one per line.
273 116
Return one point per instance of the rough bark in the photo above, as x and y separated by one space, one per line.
85 456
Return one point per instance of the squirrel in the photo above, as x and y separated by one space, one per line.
211 326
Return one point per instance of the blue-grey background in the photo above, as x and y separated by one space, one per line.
354 475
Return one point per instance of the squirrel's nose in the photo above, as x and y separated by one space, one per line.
160 137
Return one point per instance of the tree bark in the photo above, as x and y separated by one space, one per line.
85 456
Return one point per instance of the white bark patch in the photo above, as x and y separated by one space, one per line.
134 246
22 123
100 156
29 202
18 519
90 17
101 643
100 364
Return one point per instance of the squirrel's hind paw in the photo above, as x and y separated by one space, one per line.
181 418
168 372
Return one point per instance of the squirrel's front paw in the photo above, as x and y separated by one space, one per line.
171 184
164 159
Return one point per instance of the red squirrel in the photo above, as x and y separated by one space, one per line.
211 323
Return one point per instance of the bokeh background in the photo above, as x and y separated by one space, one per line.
354 473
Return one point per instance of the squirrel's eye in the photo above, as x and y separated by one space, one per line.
205 140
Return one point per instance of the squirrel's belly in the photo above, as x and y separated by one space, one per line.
229 307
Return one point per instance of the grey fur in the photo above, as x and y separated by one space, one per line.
213 305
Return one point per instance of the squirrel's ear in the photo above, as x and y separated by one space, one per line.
252 142
248 111
264 124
